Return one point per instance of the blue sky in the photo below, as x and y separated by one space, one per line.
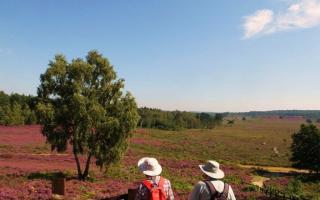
187 55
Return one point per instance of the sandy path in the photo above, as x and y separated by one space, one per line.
259 180
275 169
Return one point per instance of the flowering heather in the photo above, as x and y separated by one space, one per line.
38 189
278 182
148 142
21 135
26 162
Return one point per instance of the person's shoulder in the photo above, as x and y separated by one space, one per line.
219 182
166 180
200 184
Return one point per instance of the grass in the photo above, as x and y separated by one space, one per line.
123 172
47 175
36 149
11 181
246 142
250 142
6 147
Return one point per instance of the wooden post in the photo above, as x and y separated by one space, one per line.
58 186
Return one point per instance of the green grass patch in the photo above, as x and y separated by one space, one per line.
6 147
47 175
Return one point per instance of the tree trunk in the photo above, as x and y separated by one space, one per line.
86 171
75 152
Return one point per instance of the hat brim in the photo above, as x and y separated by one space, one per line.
155 172
219 174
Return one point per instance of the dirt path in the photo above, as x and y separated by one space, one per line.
259 180
275 169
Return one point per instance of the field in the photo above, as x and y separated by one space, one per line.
27 164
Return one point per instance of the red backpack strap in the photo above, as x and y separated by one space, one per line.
147 184
160 186
212 189
161 182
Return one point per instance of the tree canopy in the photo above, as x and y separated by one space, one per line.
306 148
82 103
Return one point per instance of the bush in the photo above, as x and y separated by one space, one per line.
295 187
306 148
250 188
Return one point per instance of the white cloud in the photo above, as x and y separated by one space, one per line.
302 14
257 22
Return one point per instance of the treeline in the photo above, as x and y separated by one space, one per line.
176 120
312 114
16 109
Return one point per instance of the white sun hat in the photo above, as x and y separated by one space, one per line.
211 168
149 166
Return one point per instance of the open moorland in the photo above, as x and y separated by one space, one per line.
27 164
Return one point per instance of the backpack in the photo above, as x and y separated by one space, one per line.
215 195
156 191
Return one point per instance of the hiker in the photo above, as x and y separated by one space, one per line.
212 187
154 187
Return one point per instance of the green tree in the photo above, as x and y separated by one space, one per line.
2 115
306 148
4 99
17 109
29 115
82 103
205 119
13 115
178 119
218 118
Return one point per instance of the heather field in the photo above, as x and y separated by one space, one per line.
27 164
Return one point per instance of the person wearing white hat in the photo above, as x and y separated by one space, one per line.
213 187
154 186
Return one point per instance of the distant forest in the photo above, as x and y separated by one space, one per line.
308 114
17 109
176 120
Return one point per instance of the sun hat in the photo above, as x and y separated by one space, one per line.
211 168
149 166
